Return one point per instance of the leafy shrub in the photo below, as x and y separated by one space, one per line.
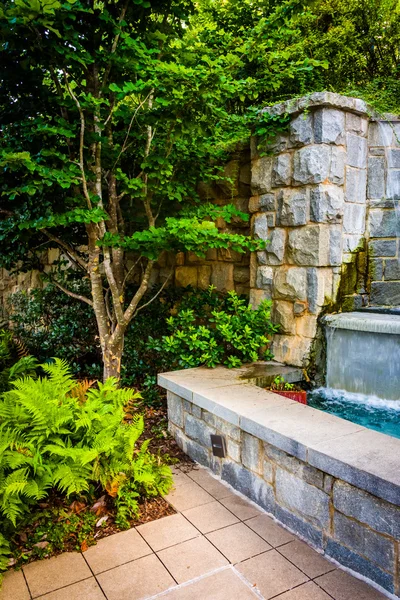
57 434
50 323
212 329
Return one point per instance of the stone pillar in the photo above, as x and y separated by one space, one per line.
383 193
309 202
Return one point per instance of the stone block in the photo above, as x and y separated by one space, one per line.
284 317
53 255
358 564
261 175
265 277
309 246
392 269
311 164
198 453
293 207
198 430
185 276
260 227
326 204
328 483
301 130
356 185
307 531
383 247
393 184
356 124
337 166
376 177
294 465
357 504
241 274
329 126
268 471
175 409
299 308
354 218
302 498
335 245
382 223
222 276
275 250
233 450
258 296
204 277
393 158
179 436
315 289
282 170
228 429
261 258
229 186
209 418
291 283
245 173
196 411
291 350
187 406
249 484
380 134
357 148
376 269
385 293
306 326
251 453
371 545
263 203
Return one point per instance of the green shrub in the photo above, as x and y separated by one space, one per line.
56 434
13 363
212 329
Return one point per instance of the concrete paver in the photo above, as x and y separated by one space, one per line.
116 550
238 542
45 576
167 532
210 517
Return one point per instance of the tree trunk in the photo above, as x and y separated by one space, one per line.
112 355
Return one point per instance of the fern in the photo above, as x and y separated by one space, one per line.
56 433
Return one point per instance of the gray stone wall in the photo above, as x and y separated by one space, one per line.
350 525
325 196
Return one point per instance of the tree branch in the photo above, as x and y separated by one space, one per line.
114 45
72 294
130 311
158 293
81 140
68 249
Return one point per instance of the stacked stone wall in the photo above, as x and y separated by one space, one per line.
348 524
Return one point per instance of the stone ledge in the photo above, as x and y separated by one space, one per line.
359 456
321 99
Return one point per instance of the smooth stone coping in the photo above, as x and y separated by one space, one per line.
362 457
369 322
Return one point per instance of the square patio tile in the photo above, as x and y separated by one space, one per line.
180 478
238 542
168 531
210 517
306 559
268 529
214 487
141 578
188 496
88 589
44 576
343 586
308 591
192 559
271 573
116 550
224 585
14 587
242 509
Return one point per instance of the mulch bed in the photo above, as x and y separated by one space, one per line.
58 525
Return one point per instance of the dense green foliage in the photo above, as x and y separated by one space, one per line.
57 434
14 360
211 329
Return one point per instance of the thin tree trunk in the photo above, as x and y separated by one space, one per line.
112 356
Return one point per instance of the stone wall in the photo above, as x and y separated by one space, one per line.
350 525
332 245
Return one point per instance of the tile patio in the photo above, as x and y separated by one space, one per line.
217 547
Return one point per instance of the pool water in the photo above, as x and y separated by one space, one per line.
369 411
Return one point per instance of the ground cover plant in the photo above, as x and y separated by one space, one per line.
73 440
